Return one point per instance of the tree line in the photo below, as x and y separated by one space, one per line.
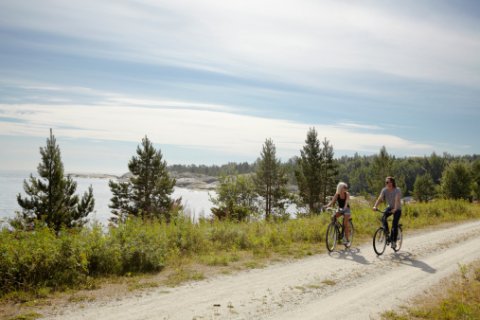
245 191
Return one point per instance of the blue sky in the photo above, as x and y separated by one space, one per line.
209 81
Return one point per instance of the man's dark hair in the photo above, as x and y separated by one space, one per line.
392 180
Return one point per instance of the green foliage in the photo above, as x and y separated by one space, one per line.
424 188
382 166
329 172
457 181
236 198
420 215
142 247
270 180
309 172
214 170
147 192
51 198
360 172
476 178
42 259
316 172
28 316
355 171
434 165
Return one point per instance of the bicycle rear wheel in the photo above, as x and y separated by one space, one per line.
399 239
352 233
379 241
331 237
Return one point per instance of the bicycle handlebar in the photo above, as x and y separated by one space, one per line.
381 211
332 209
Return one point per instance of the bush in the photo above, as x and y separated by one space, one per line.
142 246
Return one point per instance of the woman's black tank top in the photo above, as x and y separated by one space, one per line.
341 202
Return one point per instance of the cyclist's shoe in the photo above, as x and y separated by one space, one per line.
348 244
394 245
344 240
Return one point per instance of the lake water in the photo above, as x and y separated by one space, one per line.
196 202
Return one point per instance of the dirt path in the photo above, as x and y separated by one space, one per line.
353 284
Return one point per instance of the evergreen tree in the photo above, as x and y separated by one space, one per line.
147 192
457 181
329 171
270 179
476 178
354 171
51 198
382 166
435 165
309 172
424 188
406 172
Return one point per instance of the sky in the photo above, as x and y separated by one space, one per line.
208 81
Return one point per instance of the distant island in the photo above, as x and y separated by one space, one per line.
189 180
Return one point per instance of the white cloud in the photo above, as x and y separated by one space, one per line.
297 41
184 124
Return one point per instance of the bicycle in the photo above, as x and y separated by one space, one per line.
381 238
336 232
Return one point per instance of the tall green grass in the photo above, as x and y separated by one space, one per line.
43 259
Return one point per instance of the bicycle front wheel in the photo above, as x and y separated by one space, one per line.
331 237
379 241
399 239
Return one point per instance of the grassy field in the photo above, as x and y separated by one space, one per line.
38 264
455 298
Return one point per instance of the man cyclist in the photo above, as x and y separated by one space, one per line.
392 195
343 197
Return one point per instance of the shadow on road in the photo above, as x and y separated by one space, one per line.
349 254
407 258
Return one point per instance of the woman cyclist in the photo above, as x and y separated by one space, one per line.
342 197
392 195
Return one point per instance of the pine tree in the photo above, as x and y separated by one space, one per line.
382 167
476 178
435 165
329 170
147 192
309 172
270 179
51 198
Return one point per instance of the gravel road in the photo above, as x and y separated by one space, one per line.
347 284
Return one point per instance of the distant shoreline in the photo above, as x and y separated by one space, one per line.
93 175
186 180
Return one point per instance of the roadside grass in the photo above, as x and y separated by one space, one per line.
27 316
38 264
455 298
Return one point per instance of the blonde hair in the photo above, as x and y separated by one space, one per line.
340 186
